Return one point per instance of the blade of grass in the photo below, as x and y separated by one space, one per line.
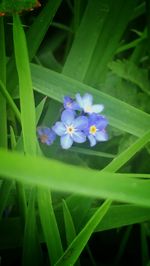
21 197
69 226
10 101
119 14
49 225
126 155
3 115
68 178
42 22
25 88
119 114
5 189
82 48
31 243
75 248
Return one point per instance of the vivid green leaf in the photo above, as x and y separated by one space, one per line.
67 178
49 224
75 248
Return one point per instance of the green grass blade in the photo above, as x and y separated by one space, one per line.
10 101
41 23
3 115
25 86
119 14
31 247
119 114
82 49
126 155
129 71
122 215
75 248
49 225
69 226
68 178
5 189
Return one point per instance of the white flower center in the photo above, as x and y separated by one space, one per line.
88 109
70 130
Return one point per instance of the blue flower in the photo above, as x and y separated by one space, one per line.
70 129
70 104
86 104
96 129
46 135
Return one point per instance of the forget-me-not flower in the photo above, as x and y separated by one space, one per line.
96 129
46 135
86 104
69 103
70 129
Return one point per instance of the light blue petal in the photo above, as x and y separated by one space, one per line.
79 137
67 117
87 100
66 141
79 100
59 128
92 140
101 135
81 122
97 108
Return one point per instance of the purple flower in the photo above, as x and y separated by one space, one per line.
86 104
46 135
96 129
70 129
70 104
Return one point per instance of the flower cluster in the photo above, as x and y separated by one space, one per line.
80 120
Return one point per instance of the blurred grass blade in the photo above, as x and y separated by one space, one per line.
120 115
69 226
119 14
49 225
32 248
129 71
5 189
76 247
68 178
3 115
38 30
82 48
116 217
10 101
126 155
25 88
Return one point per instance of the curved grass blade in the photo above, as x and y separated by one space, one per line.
68 178
75 248
49 225
25 88
120 115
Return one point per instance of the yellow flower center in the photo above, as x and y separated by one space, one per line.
70 130
93 129
69 104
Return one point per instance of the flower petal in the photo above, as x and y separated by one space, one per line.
67 117
59 128
92 140
87 99
81 122
79 100
101 135
101 122
66 141
79 137
97 108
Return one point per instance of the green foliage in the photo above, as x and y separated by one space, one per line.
52 200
